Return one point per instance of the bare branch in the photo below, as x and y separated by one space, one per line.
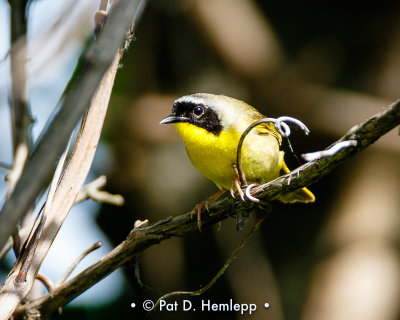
5 165
74 264
143 237
41 164
91 191
23 233
25 260
21 119
73 178
364 134
20 113
21 154
46 281
6 247
65 194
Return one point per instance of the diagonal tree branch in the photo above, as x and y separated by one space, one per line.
21 278
21 118
65 190
20 113
364 134
41 164
143 237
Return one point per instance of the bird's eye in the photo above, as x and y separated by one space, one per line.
198 111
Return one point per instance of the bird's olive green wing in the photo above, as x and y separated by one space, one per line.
268 128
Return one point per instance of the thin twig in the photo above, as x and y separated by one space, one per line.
31 242
242 176
46 281
75 263
5 165
138 276
6 247
23 233
46 205
91 191
57 176
26 257
33 228
219 273
279 124
21 154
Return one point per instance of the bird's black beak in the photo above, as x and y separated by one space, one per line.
173 119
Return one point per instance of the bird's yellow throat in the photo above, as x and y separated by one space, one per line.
214 155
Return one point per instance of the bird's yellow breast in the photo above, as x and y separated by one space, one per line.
214 155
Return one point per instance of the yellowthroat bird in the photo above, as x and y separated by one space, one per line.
211 126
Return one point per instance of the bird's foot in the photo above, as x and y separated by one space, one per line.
236 186
204 204
244 193
197 212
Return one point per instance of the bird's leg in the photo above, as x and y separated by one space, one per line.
243 195
236 184
204 204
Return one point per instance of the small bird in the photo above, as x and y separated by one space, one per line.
211 126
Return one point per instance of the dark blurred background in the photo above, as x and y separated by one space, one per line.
331 65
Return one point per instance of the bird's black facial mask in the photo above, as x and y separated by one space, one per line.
196 114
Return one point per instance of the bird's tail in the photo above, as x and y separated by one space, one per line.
301 195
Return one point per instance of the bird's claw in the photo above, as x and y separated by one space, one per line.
197 212
246 195
204 204
237 185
